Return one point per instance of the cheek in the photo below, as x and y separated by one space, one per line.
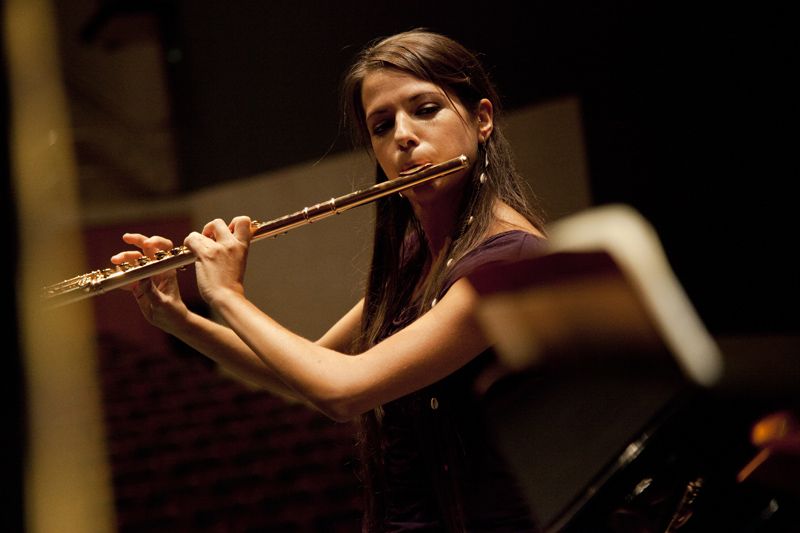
465 141
375 146
379 153
462 133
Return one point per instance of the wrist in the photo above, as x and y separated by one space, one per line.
223 297
179 323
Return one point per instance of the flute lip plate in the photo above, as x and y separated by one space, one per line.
414 170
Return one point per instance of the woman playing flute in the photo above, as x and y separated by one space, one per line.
403 360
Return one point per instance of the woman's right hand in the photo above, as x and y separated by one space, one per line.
158 296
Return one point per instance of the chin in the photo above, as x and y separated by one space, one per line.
427 192
436 195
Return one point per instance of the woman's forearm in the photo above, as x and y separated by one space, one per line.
343 385
322 376
224 347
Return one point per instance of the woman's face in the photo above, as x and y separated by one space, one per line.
412 122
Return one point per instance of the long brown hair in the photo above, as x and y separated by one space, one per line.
399 253
440 60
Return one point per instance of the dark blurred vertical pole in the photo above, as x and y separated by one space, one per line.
12 400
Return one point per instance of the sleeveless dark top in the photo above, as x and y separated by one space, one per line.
442 471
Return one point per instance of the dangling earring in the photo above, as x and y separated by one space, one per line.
484 177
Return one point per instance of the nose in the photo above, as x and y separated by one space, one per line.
404 132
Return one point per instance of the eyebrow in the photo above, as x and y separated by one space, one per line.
411 99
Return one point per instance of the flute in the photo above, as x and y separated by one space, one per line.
102 281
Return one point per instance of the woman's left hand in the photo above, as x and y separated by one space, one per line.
221 257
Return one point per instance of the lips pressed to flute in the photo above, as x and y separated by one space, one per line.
102 281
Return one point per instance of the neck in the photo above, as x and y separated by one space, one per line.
438 220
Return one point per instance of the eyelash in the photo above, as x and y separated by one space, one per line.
425 109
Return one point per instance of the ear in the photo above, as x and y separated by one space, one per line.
485 119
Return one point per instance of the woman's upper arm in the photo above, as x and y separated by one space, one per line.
429 349
342 385
344 332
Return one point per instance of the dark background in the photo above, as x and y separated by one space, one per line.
686 115
685 111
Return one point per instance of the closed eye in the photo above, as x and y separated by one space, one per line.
380 128
428 109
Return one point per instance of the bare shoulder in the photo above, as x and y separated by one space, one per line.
507 218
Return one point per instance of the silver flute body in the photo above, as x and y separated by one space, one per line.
102 281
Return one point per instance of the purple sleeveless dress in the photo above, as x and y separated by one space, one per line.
442 471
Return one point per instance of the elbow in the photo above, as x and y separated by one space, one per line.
339 407
340 416
340 396
339 411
